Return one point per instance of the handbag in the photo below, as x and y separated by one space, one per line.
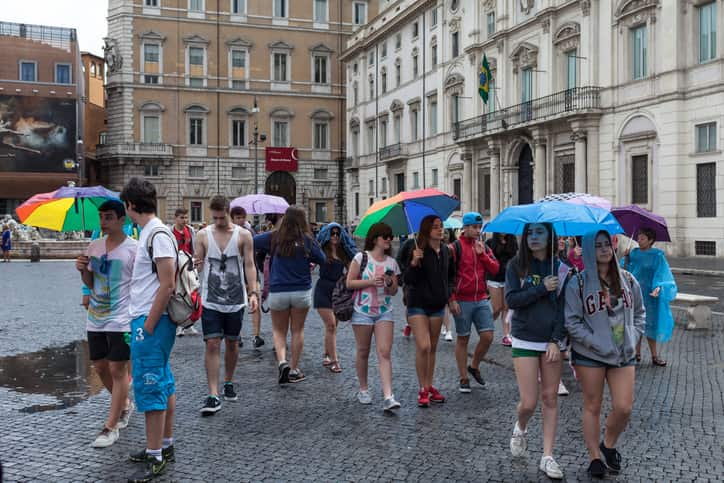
343 297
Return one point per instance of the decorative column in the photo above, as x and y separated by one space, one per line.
539 170
579 137
594 171
467 202
495 178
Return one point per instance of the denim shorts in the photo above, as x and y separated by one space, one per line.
581 360
153 381
221 325
420 311
300 299
477 313
363 319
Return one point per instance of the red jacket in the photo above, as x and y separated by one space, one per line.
470 285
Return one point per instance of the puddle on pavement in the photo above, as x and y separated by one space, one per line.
64 373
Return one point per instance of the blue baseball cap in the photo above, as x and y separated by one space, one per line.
472 218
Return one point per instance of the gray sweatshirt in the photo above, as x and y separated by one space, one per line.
604 334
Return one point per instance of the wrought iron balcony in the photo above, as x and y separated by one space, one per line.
393 152
135 150
558 105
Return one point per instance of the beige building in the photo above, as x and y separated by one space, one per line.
94 106
190 82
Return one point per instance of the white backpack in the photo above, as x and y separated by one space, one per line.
184 307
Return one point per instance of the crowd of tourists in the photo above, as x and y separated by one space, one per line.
556 299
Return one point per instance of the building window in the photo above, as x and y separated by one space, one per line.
150 169
434 177
706 137
238 59
399 182
372 88
383 78
397 127
196 171
196 5
414 123
196 56
355 93
195 81
491 100
320 212
359 13
491 23
384 50
320 11
355 143
383 133
455 44
415 180
526 85
320 173
455 107
433 117
371 58
458 188
62 74
433 17
280 136
371 189
707 248
706 190
383 189
238 132
415 66
103 138
398 41
151 129
415 30
93 69
638 42
707 32
572 69
196 66
29 71
354 68
238 172
398 74
640 179
320 69
196 212
433 55
356 204
280 8
321 135
370 138
238 7
280 67
196 131
152 3
151 53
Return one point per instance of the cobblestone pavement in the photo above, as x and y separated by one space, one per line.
51 407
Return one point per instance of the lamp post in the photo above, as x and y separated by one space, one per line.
257 137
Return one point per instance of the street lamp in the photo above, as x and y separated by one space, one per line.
257 137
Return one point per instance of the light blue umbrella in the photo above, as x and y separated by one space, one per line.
452 223
567 219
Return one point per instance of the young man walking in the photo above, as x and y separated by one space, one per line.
185 241
238 216
107 268
225 252
152 332
471 305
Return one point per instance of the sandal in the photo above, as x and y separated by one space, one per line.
335 367
326 361
638 357
658 362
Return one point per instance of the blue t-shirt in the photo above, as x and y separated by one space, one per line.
7 243
290 274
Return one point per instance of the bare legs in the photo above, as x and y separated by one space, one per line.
383 332
427 332
114 375
497 300
282 321
330 333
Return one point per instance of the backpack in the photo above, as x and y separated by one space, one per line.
184 306
343 297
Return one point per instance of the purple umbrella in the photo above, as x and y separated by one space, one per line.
633 218
260 204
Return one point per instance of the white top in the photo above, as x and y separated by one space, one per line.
144 284
223 288
531 346
372 301
111 290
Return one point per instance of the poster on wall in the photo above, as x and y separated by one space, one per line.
37 134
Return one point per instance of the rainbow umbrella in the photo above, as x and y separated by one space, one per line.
66 209
404 211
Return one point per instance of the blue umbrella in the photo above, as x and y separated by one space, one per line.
567 219
452 223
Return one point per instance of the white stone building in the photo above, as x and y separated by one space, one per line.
622 98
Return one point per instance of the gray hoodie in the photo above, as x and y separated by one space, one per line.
607 335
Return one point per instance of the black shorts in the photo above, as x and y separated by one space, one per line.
110 346
221 325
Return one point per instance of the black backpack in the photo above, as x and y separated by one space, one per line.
343 297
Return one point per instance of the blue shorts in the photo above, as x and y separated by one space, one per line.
221 325
420 311
581 360
153 381
477 313
363 319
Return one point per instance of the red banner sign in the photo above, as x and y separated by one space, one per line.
282 159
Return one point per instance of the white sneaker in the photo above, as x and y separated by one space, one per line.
179 331
518 443
125 416
105 438
191 331
449 336
562 391
549 466
390 404
364 397
443 330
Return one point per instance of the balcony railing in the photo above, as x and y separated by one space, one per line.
560 104
157 150
393 151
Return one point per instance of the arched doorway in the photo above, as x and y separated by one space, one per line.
281 183
525 175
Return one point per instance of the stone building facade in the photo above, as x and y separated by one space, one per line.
190 81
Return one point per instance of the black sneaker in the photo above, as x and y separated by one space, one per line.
258 342
151 469
597 469
296 376
229 393
241 342
476 375
612 457
140 457
465 386
283 373
212 406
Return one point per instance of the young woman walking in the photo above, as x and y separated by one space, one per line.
339 248
429 280
605 318
373 276
504 247
291 248
531 285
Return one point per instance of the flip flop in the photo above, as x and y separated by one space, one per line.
335 367
658 362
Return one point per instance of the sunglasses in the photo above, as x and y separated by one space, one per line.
335 233
222 262
386 236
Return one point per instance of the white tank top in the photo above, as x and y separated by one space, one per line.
224 286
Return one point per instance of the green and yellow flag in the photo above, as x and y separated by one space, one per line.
484 82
